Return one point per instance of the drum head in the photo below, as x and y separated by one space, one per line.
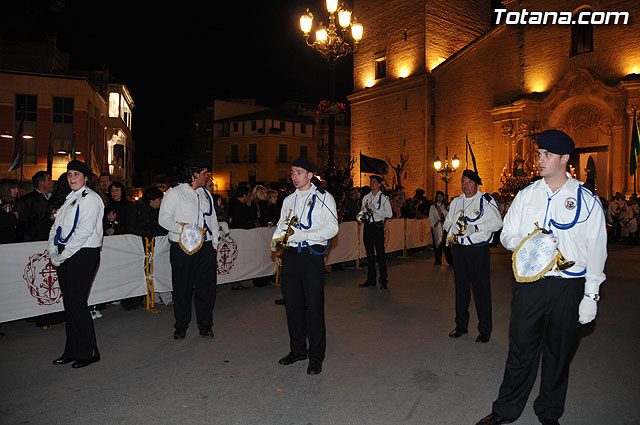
536 255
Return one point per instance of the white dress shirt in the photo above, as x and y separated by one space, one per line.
87 233
379 204
574 215
317 216
483 218
182 204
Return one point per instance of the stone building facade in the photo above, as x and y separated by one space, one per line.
499 86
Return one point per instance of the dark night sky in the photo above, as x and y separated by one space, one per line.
176 56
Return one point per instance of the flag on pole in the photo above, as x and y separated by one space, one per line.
373 165
473 158
635 146
16 162
50 151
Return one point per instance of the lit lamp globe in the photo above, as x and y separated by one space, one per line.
344 18
332 6
455 162
306 21
321 35
437 164
356 30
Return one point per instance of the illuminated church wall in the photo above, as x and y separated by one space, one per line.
391 116
498 87
489 90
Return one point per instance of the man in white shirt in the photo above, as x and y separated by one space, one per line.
375 210
472 219
303 264
187 213
546 313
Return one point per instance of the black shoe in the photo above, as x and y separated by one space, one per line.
457 333
315 367
383 285
548 421
83 363
292 358
493 419
206 333
366 283
239 288
63 360
483 338
279 301
179 333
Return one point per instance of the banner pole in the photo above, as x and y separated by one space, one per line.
360 168
149 252
404 244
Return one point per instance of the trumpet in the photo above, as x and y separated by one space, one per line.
283 241
364 216
462 228
561 262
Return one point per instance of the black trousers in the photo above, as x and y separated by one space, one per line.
303 289
193 277
544 320
471 266
374 239
75 276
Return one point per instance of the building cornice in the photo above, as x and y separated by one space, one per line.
375 92
468 48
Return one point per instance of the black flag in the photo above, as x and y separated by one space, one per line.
373 165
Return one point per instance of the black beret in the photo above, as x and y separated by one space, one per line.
556 141
78 165
197 163
472 175
377 178
304 163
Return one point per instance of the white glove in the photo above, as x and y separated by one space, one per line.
56 259
283 226
299 236
587 310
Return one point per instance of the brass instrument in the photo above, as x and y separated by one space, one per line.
283 241
561 262
364 216
462 228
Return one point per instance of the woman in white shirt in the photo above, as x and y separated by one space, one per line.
74 248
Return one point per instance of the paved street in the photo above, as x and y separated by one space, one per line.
389 360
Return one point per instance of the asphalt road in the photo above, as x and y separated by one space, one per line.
389 360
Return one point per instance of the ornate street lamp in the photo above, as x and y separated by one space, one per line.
333 42
445 170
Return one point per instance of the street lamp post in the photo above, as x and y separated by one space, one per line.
333 43
446 170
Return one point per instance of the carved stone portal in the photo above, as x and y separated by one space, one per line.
585 117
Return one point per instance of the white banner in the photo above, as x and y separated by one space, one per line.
29 284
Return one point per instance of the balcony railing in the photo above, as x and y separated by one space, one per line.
250 159
232 159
